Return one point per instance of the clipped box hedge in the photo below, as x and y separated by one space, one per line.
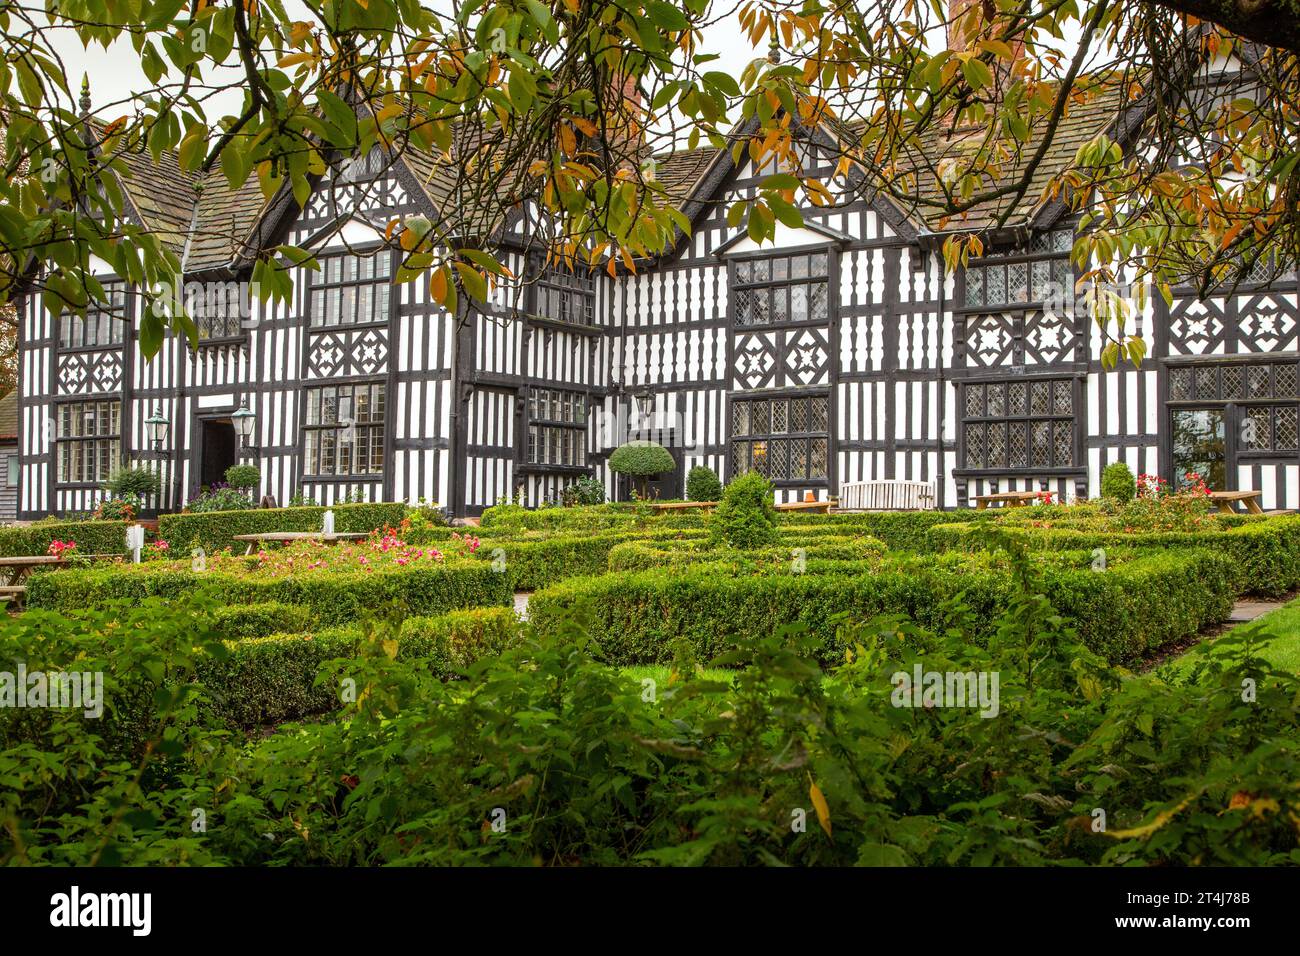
900 530
270 680
214 531
92 537
531 563
643 555
1265 553
1139 604
333 597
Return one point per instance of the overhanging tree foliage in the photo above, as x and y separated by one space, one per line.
558 106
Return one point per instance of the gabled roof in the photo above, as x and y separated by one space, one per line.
211 226
1101 110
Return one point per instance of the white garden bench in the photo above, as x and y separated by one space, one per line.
887 494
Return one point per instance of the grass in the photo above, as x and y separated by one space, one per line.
660 673
1279 632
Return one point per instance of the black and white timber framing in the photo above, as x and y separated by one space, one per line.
840 353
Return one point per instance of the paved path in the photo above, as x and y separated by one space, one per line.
1244 611
521 603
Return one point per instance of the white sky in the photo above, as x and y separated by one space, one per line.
116 76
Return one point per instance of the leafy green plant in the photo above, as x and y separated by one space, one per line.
220 498
746 516
584 491
702 484
587 769
1118 483
134 483
243 477
641 460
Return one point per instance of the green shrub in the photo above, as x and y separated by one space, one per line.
745 517
259 620
454 641
1264 553
1117 482
1141 603
215 531
900 530
641 460
91 537
267 680
221 499
702 484
243 476
132 483
333 597
271 678
584 491
414 766
646 554
118 508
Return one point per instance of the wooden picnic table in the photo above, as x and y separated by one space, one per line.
288 537
16 569
1008 499
1226 499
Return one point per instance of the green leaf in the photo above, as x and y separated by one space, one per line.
724 82
666 16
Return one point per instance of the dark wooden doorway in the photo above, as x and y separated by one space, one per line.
218 450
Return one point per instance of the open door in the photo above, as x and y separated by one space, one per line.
218 450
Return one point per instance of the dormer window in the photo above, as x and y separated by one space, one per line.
564 296
1006 278
778 290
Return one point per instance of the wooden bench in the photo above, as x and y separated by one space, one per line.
817 507
1007 499
683 505
887 494
1226 499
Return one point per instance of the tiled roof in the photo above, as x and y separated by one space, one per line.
220 221
681 171
161 192
1080 122
224 221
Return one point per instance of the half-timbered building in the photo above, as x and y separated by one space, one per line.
841 352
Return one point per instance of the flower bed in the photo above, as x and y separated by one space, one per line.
338 584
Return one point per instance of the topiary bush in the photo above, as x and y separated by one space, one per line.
745 517
702 484
641 460
1117 482
243 476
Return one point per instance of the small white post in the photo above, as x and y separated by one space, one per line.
328 526
135 540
